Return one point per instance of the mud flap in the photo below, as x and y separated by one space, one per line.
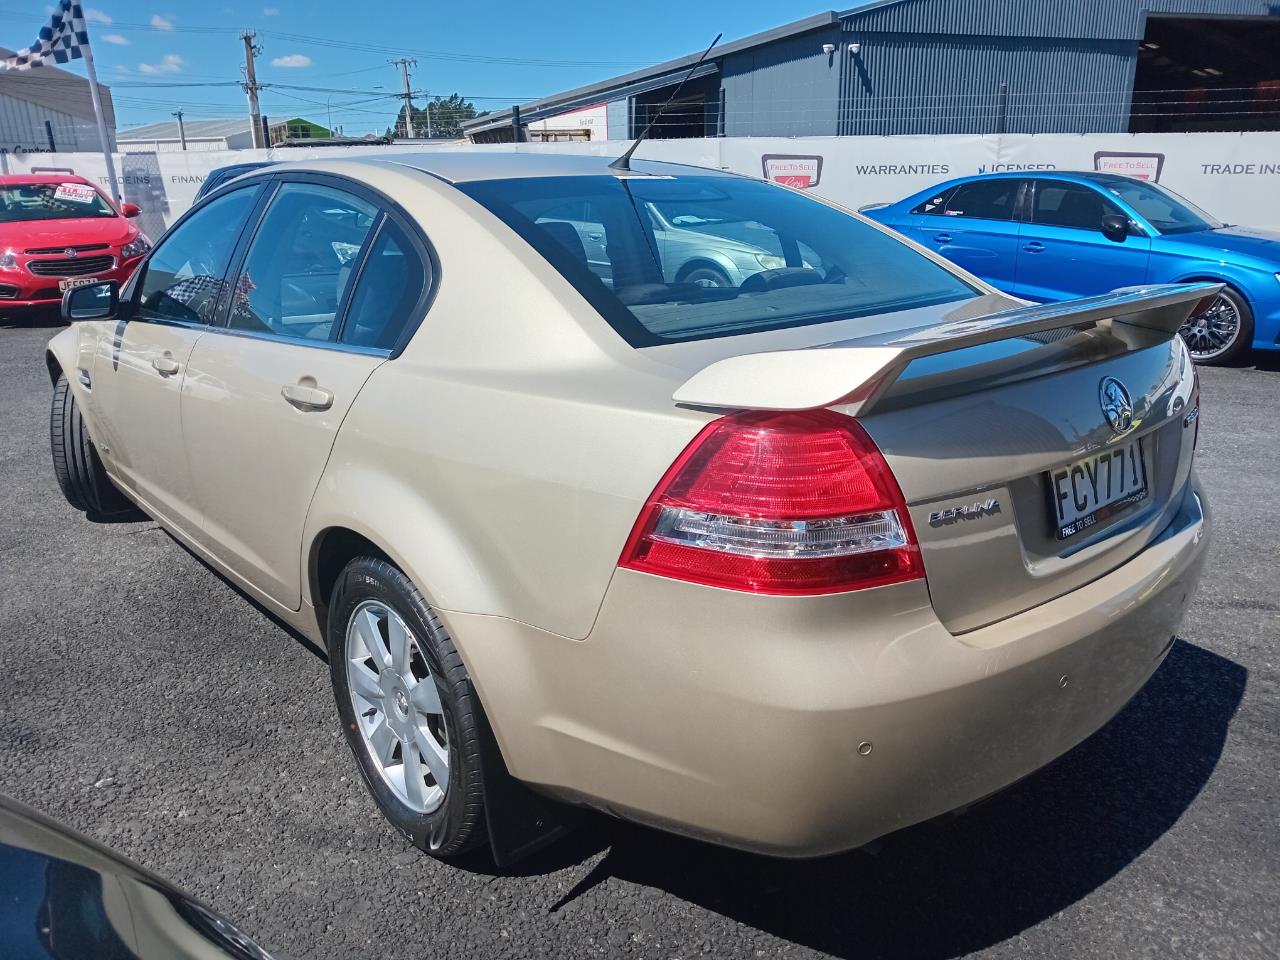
520 821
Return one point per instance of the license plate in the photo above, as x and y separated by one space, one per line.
1089 491
65 285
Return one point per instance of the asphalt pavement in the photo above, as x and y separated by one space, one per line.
146 703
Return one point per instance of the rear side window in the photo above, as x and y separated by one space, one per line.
390 287
984 199
936 204
185 276
1062 204
300 262
690 258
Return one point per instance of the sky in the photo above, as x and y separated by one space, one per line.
494 53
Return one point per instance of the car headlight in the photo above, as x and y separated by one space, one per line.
770 262
136 247
8 259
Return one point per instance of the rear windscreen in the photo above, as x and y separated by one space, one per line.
666 259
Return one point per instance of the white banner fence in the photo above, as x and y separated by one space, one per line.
1234 176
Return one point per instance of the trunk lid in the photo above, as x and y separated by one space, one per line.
982 421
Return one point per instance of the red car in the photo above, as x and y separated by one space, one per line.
58 230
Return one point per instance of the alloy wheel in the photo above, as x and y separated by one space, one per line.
397 706
1212 333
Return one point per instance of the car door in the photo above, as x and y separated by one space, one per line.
977 228
142 356
266 392
1063 253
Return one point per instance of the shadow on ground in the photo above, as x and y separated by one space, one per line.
955 885
42 317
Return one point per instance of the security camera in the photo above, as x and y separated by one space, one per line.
855 48
828 48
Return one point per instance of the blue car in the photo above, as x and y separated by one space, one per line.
1054 236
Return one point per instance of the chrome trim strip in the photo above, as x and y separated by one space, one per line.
300 342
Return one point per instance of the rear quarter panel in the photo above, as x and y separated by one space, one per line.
503 458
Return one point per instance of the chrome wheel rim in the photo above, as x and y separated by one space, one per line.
1212 333
397 706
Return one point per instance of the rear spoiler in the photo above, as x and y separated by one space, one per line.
858 372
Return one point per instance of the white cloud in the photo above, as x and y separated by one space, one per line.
115 38
161 23
95 16
292 60
169 63
271 11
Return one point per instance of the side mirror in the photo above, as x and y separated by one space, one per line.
131 210
92 301
1115 227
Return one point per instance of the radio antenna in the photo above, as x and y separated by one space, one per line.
623 163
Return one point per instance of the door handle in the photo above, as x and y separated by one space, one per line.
942 237
307 398
1035 246
165 366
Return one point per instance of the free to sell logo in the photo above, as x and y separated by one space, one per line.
791 170
1141 166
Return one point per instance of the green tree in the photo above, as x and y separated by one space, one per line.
442 117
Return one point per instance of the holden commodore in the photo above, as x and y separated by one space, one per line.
785 565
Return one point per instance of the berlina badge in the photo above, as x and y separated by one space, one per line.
969 511
1117 407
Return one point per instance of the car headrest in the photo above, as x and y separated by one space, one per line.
565 235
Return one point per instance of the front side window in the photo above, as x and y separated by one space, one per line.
984 199
690 258
390 287
300 262
1162 208
53 201
1062 204
184 277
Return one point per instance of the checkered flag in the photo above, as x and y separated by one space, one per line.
64 39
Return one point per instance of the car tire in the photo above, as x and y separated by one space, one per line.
1202 339
705 275
76 464
371 591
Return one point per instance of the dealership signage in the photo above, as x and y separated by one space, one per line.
1143 166
1207 168
791 170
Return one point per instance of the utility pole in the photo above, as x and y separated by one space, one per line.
251 87
182 131
404 63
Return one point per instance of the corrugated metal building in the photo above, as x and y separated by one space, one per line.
48 109
977 66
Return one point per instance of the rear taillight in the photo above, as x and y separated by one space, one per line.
780 503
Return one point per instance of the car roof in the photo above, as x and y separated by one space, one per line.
1093 176
473 165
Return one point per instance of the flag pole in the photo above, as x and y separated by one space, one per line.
102 119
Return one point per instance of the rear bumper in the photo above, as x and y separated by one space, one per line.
21 289
806 726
